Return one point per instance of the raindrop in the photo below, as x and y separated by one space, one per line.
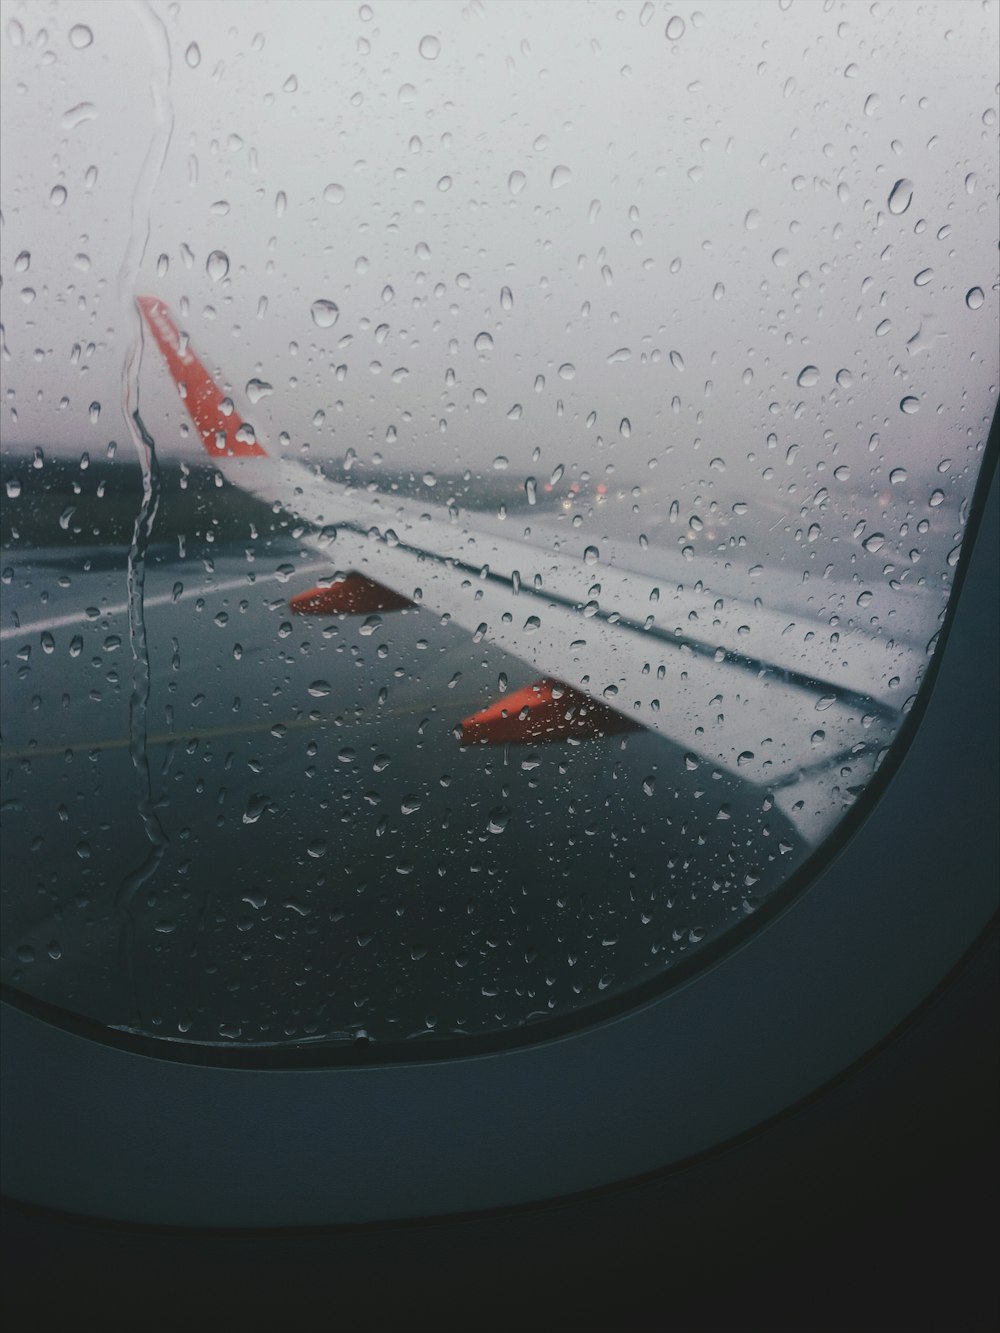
872 104
13 488
324 314
79 115
256 806
675 28
57 196
192 55
280 203
444 184
625 428
567 371
909 405
317 848
258 389
319 689
23 262
516 182
290 85
900 196
780 258
80 36
591 555
560 176
506 298
429 47
923 277
676 360
897 476
974 298
499 819
95 412
752 220
483 343
217 265
808 377
334 193
875 542
718 291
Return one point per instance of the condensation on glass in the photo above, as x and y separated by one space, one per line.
644 354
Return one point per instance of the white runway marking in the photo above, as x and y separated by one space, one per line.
161 599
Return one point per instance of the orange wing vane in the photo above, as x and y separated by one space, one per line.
543 712
222 432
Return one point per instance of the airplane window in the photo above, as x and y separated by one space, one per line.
482 485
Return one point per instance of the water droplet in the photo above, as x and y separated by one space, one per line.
923 277
319 689
752 220
499 819
429 47
780 258
483 343
256 806
909 405
872 104
506 299
444 184
192 55
897 476
560 176
23 262
57 196
516 182
591 555
79 115
80 36
674 30
317 848
95 412
217 265
875 542
625 428
567 371
324 314
258 389
291 84
13 487
808 377
334 193
900 196
974 298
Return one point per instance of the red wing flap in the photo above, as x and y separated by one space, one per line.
543 712
223 434
354 595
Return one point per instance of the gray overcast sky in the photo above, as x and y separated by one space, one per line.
719 194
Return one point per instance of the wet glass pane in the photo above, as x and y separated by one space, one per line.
482 485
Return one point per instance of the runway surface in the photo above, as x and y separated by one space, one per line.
331 859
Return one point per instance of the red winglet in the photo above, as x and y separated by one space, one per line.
543 712
354 595
202 396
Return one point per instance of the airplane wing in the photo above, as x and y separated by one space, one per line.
782 700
